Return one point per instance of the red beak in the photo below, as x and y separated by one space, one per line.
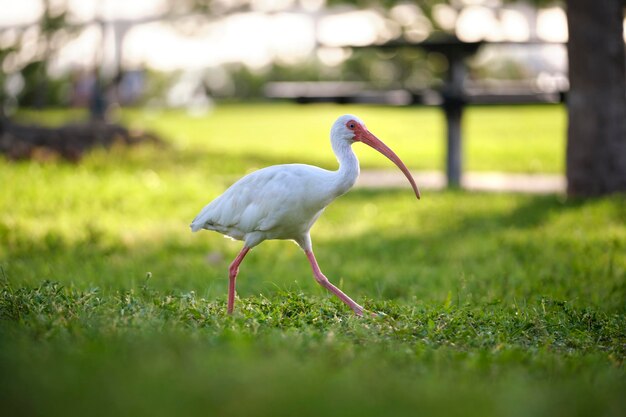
369 139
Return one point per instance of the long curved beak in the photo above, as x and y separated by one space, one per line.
369 139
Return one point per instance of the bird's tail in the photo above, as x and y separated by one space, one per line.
195 226
201 219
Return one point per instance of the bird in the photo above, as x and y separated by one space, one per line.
284 201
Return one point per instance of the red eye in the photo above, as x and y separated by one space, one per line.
351 125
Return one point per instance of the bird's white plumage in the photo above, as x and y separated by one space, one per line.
277 202
282 201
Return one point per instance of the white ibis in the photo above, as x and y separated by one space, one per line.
283 201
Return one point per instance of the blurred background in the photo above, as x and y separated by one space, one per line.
502 289
101 56
191 53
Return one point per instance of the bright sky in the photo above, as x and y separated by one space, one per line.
256 38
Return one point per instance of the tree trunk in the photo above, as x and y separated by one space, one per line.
596 136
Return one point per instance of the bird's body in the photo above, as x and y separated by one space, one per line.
257 207
284 201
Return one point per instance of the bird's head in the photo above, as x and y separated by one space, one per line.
348 128
351 129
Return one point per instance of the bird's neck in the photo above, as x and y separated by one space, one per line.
348 171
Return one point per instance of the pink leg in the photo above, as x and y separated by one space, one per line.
232 276
324 282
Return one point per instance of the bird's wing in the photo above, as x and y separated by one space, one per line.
226 210
272 197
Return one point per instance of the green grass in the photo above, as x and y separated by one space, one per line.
527 139
494 304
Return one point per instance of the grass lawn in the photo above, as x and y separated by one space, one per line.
494 304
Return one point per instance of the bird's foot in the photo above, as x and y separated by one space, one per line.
360 312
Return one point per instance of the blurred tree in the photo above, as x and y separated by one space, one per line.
4 52
42 40
596 136
212 8
53 30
